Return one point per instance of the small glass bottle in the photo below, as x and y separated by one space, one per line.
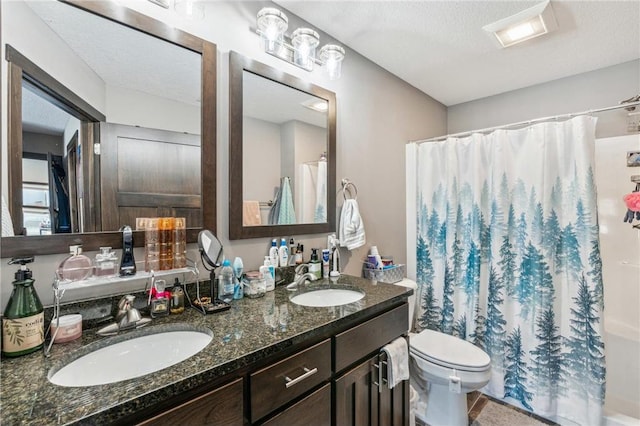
106 263
160 300
76 267
177 298
23 320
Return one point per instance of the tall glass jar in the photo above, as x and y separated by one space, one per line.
151 245
180 243
165 232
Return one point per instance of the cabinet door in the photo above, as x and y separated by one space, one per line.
312 410
360 402
222 406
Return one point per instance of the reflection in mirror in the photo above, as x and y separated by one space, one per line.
107 117
282 153
286 129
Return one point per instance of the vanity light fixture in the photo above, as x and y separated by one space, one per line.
319 105
190 9
298 49
530 23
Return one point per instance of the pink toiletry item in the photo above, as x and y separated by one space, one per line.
632 201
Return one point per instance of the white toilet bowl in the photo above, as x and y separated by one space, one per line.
443 370
447 368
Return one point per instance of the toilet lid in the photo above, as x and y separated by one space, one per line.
448 351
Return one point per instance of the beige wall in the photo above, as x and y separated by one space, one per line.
582 92
377 114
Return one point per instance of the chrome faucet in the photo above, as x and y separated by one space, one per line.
300 281
299 269
127 315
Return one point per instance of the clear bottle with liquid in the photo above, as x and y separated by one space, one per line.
23 319
226 283
106 263
76 267
177 298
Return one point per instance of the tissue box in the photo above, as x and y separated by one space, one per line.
390 275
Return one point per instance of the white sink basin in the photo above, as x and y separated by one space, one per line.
132 358
327 297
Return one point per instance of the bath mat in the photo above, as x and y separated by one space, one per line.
494 414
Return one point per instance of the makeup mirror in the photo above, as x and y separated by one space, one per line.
210 248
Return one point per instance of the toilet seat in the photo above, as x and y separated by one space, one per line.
448 351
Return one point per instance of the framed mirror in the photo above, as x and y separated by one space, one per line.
112 116
282 153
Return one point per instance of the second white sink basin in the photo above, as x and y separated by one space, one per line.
131 358
327 297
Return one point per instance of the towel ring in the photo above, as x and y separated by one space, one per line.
347 186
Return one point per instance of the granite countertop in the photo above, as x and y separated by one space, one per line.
240 338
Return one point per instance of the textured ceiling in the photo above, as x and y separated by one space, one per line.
440 48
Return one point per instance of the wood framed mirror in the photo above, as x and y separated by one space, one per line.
104 195
282 153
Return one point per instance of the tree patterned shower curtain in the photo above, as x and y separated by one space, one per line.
507 257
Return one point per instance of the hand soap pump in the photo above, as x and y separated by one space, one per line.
128 263
23 320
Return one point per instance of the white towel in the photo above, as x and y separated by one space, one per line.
7 224
397 361
351 233
320 213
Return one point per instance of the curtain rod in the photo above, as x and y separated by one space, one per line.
527 122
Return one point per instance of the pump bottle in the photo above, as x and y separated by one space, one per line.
23 320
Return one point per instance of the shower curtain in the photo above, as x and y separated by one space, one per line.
507 257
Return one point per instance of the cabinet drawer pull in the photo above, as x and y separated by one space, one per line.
307 373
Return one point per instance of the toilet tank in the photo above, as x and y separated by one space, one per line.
406 282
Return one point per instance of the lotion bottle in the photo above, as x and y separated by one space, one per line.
273 253
283 253
268 273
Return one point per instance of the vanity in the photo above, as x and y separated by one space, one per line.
321 369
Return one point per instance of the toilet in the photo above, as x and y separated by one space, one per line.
443 370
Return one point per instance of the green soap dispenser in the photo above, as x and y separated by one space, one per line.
23 320
315 266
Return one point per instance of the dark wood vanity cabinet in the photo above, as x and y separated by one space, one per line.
361 400
331 382
222 406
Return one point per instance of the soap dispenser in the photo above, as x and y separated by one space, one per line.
23 320
128 263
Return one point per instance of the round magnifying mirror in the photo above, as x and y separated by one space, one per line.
210 248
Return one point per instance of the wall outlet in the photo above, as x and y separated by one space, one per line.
633 159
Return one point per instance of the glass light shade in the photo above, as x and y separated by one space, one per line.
332 55
305 41
190 9
271 25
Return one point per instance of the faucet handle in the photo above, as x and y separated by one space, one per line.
300 267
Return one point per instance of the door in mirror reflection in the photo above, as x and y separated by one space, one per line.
284 154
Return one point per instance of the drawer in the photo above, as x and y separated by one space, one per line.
361 340
283 381
312 410
222 406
